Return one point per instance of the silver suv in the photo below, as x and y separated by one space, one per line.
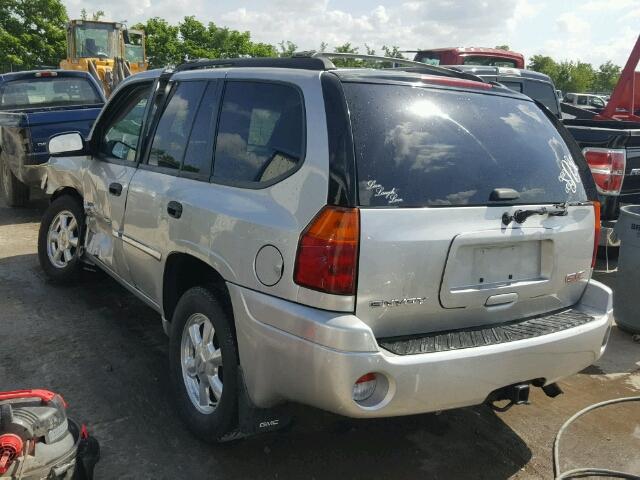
368 242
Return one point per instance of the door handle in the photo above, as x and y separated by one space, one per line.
115 189
174 209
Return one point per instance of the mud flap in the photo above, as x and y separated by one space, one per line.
253 420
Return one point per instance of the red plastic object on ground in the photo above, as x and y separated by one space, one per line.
44 395
10 448
624 103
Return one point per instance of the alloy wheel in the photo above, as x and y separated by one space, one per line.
201 361
63 239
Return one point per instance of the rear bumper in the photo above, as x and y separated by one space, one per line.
296 353
27 168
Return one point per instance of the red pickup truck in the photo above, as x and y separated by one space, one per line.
488 57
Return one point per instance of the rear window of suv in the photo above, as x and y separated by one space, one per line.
421 147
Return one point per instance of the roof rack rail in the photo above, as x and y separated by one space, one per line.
321 61
303 63
400 64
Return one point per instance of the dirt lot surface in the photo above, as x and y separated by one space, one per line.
106 353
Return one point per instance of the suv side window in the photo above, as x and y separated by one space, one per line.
582 100
197 159
121 131
172 133
261 132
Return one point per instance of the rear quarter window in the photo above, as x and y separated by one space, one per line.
544 93
418 147
261 134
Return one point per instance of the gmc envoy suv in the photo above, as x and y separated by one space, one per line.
368 242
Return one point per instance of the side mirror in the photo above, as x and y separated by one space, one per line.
66 144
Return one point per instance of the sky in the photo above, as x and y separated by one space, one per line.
592 31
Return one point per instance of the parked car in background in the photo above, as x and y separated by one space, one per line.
559 94
488 57
369 242
610 140
612 151
586 101
535 85
34 106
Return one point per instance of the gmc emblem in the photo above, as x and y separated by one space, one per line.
574 277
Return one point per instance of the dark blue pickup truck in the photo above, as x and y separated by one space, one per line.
34 106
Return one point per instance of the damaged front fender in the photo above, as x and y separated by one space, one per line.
64 172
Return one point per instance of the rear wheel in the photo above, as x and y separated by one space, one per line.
14 192
204 364
60 239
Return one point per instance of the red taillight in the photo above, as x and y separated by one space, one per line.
327 257
607 166
46 74
596 235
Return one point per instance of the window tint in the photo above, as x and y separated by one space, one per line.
515 86
582 100
172 133
489 61
428 58
260 133
596 102
122 131
48 92
199 149
426 147
544 93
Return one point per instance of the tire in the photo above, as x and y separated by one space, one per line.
205 391
14 192
58 217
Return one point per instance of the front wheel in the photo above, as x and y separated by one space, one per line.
60 239
15 193
204 364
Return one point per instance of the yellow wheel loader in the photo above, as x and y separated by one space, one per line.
107 50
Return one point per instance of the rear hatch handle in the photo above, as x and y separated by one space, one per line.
520 215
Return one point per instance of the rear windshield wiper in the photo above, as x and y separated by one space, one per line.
520 216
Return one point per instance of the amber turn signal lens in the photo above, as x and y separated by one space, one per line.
327 258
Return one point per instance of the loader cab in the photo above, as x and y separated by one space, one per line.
92 39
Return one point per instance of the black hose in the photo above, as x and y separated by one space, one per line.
587 472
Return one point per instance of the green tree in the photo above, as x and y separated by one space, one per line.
582 77
287 49
577 76
197 40
392 51
574 76
190 40
163 44
95 16
347 62
563 77
502 47
544 64
606 77
32 33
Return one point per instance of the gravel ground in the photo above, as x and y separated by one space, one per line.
106 353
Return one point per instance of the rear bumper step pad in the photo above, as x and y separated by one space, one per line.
482 336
